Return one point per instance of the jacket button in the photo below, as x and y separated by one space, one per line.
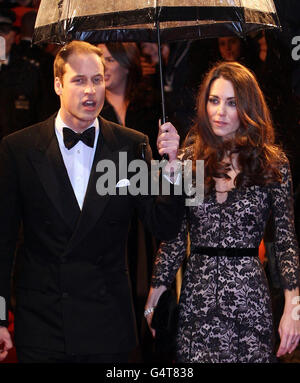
65 295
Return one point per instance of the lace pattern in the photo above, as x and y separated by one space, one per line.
225 312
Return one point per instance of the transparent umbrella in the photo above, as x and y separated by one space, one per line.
60 21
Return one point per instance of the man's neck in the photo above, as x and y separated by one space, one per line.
75 124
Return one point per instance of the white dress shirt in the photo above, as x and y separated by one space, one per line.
78 160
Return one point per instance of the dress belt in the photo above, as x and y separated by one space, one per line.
226 252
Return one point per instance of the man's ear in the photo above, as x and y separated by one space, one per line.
58 86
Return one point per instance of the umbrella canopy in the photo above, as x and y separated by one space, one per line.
59 21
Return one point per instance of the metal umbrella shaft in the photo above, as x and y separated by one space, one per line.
163 107
161 74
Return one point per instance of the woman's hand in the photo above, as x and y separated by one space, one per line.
153 297
289 327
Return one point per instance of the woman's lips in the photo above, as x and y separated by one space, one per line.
220 123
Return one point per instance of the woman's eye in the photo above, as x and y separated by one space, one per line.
232 103
213 100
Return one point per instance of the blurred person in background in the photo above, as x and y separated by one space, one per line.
21 96
129 101
38 56
183 65
230 48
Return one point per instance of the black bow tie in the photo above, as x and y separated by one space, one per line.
71 138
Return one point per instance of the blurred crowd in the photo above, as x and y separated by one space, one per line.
26 75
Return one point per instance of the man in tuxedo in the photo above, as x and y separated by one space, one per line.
73 300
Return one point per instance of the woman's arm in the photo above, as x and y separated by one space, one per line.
287 255
168 260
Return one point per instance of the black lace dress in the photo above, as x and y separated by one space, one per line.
225 309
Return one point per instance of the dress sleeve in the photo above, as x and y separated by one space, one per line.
169 258
286 246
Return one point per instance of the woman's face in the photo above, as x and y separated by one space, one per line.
151 50
221 109
115 75
230 48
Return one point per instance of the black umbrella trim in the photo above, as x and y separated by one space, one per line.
135 35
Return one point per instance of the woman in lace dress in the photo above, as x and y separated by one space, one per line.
225 311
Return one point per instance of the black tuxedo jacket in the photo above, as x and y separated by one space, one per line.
72 288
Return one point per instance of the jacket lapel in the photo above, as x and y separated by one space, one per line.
49 165
108 148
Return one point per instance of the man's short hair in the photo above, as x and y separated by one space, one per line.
74 47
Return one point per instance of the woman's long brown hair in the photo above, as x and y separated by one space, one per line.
128 56
258 156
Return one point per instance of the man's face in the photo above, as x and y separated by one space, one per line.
82 90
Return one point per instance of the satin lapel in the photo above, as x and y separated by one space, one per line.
48 163
108 148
